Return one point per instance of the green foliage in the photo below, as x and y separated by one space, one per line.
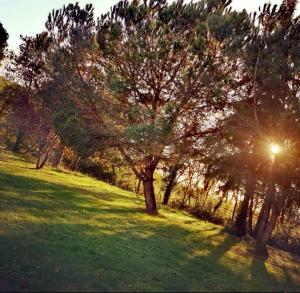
3 40
73 132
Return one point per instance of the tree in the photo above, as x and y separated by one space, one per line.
151 96
264 113
3 40
171 76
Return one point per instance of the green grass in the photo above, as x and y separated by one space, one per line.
64 231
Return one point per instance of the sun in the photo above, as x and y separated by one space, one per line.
275 148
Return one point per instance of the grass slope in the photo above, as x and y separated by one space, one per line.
64 231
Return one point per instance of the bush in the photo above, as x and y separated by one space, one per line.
97 171
198 212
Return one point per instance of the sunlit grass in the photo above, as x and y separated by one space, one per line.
64 231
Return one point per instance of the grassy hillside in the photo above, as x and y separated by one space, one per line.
64 231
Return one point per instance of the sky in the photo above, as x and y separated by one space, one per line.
27 17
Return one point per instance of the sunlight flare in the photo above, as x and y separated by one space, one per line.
275 149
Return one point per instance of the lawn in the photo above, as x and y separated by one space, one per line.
62 231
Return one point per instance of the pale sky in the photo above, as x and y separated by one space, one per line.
27 17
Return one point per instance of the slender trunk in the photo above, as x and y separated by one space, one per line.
138 186
17 145
234 209
44 155
170 183
76 163
208 185
42 160
241 220
250 217
148 183
218 205
29 149
58 157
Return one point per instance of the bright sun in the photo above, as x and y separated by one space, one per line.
275 149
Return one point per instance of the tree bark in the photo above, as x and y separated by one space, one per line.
138 186
44 155
42 160
17 145
76 162
250 216
241 220
58 157
170 183
148 183
234 209
265 211
265 235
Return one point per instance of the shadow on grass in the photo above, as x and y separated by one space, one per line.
259 272
37 193
113 252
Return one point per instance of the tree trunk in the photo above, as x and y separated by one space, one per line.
250 216
265 235
241 220
264 214
137 191
45 150
29 149
263 219
149 190
17 145
234 209
75 163
218 205
42 160
170 183
58 157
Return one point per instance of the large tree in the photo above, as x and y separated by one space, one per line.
152 80
165 73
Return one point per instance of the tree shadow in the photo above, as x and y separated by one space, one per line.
114 252
259 272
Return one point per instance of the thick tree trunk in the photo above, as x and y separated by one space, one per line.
265 235
149 194
170 184
264 214
241 220
17 145
263 219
